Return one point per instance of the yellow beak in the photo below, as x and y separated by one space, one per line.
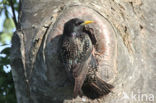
87 22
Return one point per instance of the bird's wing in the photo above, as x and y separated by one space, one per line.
75 53
90 32
80 70
83 55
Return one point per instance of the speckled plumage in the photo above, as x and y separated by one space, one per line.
76 55
75 51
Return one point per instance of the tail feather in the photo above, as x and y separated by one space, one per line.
96 88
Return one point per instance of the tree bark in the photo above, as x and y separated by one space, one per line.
126 46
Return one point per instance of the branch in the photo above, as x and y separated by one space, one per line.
19 14
13 11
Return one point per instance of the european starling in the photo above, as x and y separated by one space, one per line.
76 55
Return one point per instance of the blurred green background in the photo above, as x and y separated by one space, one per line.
8 19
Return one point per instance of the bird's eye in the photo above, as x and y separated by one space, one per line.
78 23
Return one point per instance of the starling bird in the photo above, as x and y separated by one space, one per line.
76 55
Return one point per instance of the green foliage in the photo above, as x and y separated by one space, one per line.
7 91
8 23
7 32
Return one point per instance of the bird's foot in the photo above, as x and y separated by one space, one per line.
95 53
77 92
77 87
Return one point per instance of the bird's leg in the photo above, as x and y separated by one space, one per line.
94 52
77 87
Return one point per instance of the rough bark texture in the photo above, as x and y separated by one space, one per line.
126 45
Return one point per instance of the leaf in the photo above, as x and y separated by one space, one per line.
1 2
5 37
14 1
9 24
5 2
4 61
1 9
6 51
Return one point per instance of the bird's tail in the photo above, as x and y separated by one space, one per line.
97 88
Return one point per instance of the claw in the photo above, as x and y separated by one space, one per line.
94 52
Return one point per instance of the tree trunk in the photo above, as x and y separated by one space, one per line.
124 30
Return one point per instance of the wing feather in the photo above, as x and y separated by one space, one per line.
75 52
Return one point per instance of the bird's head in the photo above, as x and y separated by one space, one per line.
74 26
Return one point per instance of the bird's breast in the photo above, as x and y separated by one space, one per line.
75 49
